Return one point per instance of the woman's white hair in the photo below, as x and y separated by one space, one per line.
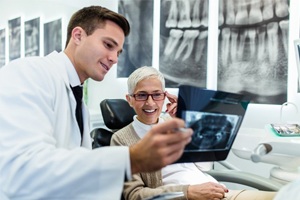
143 73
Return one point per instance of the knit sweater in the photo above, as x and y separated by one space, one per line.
143 185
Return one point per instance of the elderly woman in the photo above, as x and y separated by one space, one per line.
146 94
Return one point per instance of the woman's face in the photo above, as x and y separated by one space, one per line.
147 111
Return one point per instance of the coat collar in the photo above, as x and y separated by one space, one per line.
64 68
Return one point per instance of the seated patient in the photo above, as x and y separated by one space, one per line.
146 94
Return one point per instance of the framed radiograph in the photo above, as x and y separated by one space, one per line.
14 28
52 36
2 47
138 46
253 46
297 55
32 37
183 42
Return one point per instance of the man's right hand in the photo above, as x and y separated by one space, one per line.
161 146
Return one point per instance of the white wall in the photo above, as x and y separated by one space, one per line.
47 10
257 115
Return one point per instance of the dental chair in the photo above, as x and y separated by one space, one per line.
117 113
265 146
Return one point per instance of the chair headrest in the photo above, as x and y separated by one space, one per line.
116 113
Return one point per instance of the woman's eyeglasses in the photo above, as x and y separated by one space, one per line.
144 97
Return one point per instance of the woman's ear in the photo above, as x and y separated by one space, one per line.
128 98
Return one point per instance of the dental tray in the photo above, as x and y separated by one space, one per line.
286 130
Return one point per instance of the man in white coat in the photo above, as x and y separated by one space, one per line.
42 152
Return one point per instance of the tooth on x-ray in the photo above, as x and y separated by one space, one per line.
184 15
255 14
233 45
221 10
204 17
242 40
267 9
196 14
230 16
272 32
252 42
242 17
284 26
225 44
281 8
189 37
200 46
173 13
175 35
261 52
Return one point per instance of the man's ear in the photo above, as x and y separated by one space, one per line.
77 34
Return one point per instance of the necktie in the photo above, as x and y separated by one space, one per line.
77 91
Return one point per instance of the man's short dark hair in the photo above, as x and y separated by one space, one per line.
93 17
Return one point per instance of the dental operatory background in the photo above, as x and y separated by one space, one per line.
252 39
244 46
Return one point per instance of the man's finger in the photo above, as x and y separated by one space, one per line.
167 126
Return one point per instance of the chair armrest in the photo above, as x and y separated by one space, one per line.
246 179
101 137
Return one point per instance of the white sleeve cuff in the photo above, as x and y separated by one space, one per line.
128 176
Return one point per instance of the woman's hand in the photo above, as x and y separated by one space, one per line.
206 191
172 105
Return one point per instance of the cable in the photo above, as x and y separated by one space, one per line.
285 104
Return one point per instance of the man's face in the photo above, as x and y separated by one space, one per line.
147 111
97 53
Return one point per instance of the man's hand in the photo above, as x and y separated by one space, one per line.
206 191
172 105
161 146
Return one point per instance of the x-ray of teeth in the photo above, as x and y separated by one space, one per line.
138 47
253 45
183 41
14 26
32 37
52 36
252 50
2 47
211 131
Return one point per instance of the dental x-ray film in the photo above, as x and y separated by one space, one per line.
215 117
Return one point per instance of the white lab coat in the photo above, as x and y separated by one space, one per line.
41 156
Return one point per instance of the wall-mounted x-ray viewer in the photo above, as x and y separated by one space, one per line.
215 117
297 52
